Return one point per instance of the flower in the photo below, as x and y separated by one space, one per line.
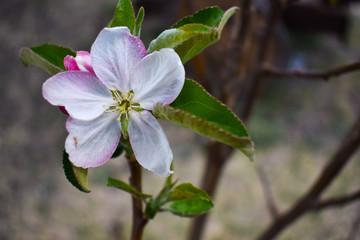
116 100
82 62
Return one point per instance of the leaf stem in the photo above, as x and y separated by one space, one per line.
139 220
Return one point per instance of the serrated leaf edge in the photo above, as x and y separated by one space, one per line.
189 16
157 111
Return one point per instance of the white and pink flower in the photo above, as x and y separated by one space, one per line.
117 85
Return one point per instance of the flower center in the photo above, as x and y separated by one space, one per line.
123 106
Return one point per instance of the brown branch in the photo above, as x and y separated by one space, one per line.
255 76
328 174
336 202
218 153
312 75
269 198
139 221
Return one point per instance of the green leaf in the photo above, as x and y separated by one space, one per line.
193 34
75 175
209 16
196 109
49 57
187 200
124 15
153 206
127 188
139 20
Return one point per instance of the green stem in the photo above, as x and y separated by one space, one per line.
139 220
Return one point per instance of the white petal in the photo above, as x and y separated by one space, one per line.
81 93
114 54
158 78
92 143
149 143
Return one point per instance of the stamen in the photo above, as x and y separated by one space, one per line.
123 105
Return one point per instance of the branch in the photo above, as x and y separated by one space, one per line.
312 75
218 153
269 198
255 76
139 221
336 202
328 174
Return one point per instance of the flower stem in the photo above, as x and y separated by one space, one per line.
139 220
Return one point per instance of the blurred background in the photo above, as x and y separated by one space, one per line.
296 125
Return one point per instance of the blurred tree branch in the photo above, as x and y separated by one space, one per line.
328 174
269 197
270 71
218 153
336 202
255 76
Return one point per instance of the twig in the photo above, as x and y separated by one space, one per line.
139 221
328 174
255 76
336 202
218 153
312 75
269 198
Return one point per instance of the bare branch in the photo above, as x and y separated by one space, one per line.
255 76
336 202
269 198
218 153
312 75
328 174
